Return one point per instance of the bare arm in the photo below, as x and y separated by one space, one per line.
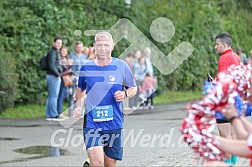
241 126
215 163
79 97
120 95
132 91
246 124
234 147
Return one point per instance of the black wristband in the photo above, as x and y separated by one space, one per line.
126 93
233 118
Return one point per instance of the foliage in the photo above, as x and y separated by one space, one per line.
27 28
196 23
8 80
237 21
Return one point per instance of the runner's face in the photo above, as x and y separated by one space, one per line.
103 47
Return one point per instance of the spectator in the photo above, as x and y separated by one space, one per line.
129 60
91 55
147 55
53 78
148 90
139 71
85 51
136 71
129 102
79 59
243 129
242 56
250 57
65 90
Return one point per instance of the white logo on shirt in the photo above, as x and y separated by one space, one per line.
112 78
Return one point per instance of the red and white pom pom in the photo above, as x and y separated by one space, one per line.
199 124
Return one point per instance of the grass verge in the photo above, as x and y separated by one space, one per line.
24 111
38 111
174 97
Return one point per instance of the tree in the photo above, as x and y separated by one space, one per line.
27 28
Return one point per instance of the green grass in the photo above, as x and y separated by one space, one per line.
174 97
38 111
28 111
25 111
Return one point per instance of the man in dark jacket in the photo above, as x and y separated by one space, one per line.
53 78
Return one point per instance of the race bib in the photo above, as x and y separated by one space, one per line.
102 113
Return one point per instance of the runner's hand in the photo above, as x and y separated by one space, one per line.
119 95
77 113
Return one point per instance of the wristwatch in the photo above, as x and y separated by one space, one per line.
126 93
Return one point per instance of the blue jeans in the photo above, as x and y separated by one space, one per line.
53 84
71 91
62 96
64 91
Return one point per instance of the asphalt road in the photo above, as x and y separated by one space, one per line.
151 138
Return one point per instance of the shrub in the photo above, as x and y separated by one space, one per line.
8 80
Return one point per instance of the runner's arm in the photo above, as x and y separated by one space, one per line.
80 95
121 95
131 91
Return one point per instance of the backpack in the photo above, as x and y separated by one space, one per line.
43 63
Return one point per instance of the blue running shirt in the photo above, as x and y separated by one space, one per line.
100 83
